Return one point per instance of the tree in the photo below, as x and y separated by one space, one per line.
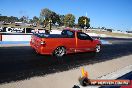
24 19
12 19
61 20
84 21
35 19
103 28
8 19
69 20
31 21
45 14
54 17
3 18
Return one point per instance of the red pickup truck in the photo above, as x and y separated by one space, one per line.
69 41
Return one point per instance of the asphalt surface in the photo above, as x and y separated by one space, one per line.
18 63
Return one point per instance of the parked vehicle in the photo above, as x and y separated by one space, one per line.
69 41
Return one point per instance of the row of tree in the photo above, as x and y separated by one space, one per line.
67 20
8 19
13 19
46 16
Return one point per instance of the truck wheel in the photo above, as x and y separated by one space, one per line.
59 52
98 48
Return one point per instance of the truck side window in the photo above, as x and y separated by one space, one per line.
63 32
68 33
83 36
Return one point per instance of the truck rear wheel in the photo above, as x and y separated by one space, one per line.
59 51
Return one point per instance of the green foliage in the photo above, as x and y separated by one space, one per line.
46 15
24 19
69 20
61 20
45 23
35 19
84 21
54 17
8 19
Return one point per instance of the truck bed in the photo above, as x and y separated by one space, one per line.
43 35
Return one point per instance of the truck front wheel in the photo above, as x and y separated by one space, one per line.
59 51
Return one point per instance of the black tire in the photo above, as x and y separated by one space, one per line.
59 52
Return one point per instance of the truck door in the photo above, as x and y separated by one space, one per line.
70 40
84 42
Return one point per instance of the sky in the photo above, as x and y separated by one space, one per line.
115 14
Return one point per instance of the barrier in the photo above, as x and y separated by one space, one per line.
16 37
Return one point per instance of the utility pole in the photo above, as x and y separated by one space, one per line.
50 24
85 23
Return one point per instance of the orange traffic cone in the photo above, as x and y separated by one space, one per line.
84 73
84 81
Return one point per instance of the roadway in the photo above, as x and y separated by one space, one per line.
21 62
